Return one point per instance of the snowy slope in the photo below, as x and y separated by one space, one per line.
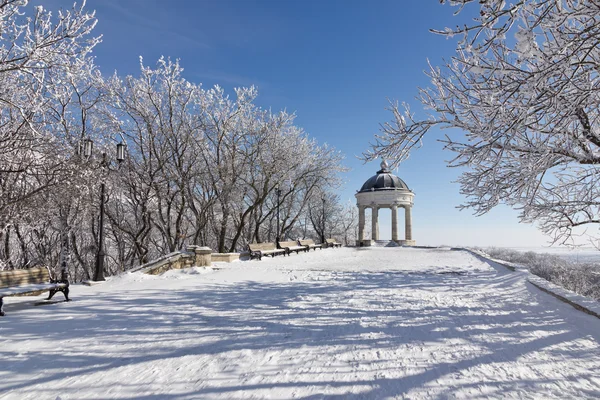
337 323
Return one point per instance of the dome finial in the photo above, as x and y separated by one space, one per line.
384 165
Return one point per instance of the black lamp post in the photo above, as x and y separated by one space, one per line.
278 192
87 152
323 231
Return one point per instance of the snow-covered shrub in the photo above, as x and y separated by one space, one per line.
583 279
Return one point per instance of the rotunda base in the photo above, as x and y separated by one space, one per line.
407 242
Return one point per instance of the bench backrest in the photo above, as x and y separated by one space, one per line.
330 241
307 242
19 277
262 246
291 243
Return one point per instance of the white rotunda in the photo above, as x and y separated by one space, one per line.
385 190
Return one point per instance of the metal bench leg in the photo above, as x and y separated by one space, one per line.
51 294
1 307
65 292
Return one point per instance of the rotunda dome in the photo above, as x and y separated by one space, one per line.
384 180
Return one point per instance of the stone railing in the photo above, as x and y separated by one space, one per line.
194 256
227 257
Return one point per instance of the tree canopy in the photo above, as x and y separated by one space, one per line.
205 166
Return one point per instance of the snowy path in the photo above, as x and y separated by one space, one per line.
345 323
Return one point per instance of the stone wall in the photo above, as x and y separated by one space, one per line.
194 256
225 257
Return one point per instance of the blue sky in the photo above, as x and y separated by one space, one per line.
335 63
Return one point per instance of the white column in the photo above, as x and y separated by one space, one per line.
361 224
407 223
375 223
394 223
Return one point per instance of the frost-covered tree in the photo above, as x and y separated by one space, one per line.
523 92
346 223
34 50
301 169
232 139
202 168
41 55
161 183
63 208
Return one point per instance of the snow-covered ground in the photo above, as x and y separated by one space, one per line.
345 323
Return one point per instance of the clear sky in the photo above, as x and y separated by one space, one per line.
334 63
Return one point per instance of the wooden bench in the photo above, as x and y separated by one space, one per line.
257 250
310 244
332 243
292 245
30 281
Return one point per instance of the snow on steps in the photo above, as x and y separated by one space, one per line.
385 243
577 301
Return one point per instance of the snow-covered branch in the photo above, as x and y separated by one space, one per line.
522 95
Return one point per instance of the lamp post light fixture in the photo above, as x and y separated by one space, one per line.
88 145
121 152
